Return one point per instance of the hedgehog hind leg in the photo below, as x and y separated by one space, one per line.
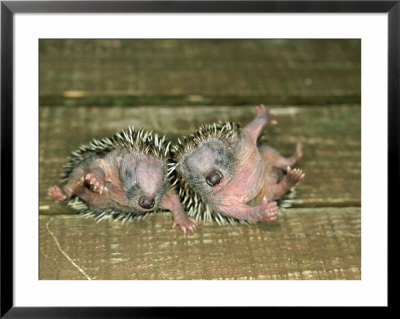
263 118
266 211
75 184
85 177
292 177
273 156
284 162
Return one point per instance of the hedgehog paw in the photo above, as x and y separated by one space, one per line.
270 211
94 183
294 175
57 193
184 222
265 113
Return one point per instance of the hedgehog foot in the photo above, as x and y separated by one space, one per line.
95 183
270 211
294 175
184 222
284 162
57 193
264 113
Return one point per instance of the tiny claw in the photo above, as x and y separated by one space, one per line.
103 189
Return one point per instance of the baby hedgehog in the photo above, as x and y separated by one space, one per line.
222 174
123 177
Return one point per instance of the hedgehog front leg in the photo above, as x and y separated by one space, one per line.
171 202
263 117
267 211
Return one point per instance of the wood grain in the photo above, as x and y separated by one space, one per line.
189 72
319 243
94 88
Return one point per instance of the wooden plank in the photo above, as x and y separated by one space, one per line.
184 72
331 138
319 243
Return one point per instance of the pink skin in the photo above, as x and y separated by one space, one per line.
263 117
271 155
99 185
171 202
256 175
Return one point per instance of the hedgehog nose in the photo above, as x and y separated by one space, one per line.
146 203
214 178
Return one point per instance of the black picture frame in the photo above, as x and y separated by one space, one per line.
9 8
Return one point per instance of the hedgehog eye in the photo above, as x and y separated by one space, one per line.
214 178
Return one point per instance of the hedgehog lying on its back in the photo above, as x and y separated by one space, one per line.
123 177
220 172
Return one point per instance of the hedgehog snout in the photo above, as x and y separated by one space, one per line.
214 178
146 202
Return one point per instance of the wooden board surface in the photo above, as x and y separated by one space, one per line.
188 72
94 88
323 243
